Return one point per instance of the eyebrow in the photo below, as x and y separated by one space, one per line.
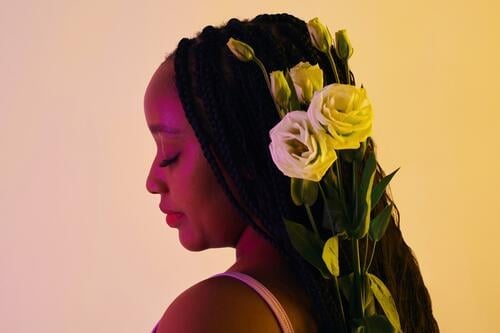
165 129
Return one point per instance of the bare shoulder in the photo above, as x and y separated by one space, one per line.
219 304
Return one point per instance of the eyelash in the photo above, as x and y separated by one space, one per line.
167 162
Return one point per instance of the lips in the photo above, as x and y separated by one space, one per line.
173 217
173 220
170 212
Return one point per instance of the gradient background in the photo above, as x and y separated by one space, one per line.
83 245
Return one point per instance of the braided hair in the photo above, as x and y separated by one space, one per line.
231 111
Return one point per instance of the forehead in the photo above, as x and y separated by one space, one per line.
162 106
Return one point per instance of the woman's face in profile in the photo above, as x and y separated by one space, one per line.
186 184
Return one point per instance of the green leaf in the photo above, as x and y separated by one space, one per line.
380 223
384 298
331 255
308 245
361 221
333 208
380 187
378 324
370 308
303 191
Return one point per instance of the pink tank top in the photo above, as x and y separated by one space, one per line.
272 302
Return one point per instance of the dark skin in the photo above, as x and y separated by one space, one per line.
224 304
221 304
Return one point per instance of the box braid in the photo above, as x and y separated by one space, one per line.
184 83
231 111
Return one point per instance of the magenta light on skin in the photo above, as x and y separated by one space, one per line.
173 220
187 184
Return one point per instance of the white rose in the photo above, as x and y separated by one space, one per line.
345 112
307 79
298 150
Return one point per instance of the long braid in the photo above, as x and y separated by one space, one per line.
215 124
184 87
234 28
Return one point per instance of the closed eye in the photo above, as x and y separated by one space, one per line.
168 162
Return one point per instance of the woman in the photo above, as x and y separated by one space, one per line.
210 115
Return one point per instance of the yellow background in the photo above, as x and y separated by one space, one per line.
84 247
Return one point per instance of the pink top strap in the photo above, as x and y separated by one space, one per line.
279 312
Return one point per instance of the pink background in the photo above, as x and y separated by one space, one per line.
84 247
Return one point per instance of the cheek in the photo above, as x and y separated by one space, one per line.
204 181
196 180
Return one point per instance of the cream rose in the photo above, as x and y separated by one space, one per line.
298 150
307 79
345 112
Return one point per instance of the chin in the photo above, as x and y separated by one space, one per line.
193 244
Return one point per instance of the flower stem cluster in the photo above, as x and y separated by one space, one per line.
322 130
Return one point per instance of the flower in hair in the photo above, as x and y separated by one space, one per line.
343 46
343 111
298 150
280 89
320 35
241 50
314 148
307 79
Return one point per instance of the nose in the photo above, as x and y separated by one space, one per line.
154 184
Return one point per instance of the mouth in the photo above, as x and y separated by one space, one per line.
174 219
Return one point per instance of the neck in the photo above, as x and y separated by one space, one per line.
254 250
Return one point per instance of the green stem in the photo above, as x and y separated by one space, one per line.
366 255
335 280
348 76
334 67
371 258
311 219
330 170
358 278
354 187
341 189
266 77
330 218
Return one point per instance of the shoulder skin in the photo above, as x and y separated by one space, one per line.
221 304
